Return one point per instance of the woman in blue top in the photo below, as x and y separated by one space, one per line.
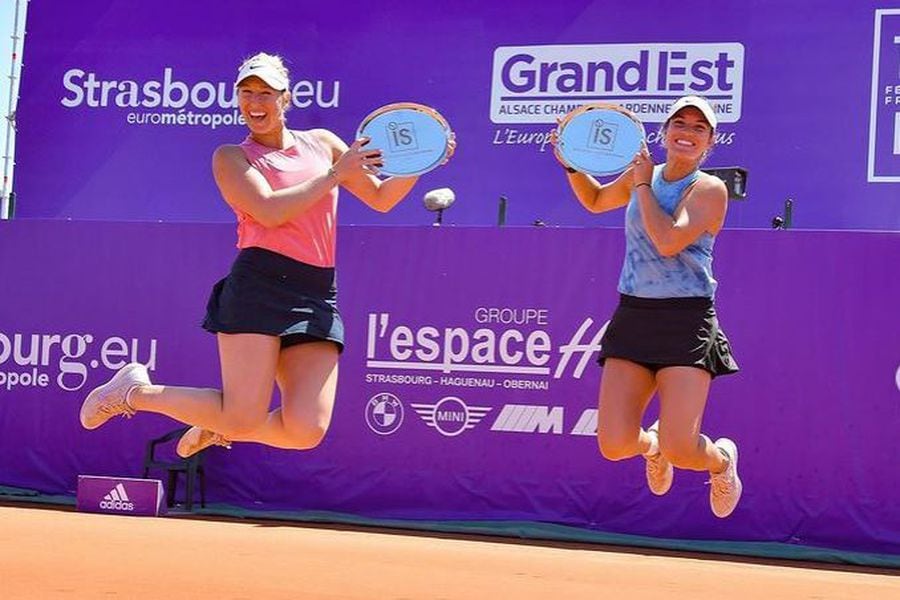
664 336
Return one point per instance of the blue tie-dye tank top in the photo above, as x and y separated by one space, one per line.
646 273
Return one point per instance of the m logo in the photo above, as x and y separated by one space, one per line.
451 416
587 423
117 499
522 418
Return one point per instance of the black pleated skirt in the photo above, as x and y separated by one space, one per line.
668 332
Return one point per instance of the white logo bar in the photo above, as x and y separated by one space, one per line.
451 367
536 84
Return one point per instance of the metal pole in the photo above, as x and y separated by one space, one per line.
501 212
8 163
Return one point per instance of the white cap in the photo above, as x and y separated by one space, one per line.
265 70
697 102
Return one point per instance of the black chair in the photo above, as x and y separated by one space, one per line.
192 468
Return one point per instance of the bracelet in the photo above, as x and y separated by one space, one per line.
637 185
570 170
331 172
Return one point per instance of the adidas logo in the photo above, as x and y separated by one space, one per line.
117 499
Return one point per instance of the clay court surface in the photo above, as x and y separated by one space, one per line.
54 553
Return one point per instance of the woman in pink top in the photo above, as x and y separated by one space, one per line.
275 314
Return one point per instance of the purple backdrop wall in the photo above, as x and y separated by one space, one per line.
509 434
123 103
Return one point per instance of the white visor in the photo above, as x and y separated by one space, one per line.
697 102
264 70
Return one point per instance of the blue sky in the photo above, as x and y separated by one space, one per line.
7 18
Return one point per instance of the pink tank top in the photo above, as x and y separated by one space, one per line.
309 237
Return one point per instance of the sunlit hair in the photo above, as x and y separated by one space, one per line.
277 62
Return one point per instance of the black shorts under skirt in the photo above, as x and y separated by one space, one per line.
272 294
668 332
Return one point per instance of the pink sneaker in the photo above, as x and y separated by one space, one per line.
111 398
726 487
659 471
196 439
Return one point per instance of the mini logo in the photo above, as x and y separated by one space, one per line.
384 413
117 499
451 416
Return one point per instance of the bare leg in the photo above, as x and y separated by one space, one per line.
307 378
249 362
683 392
625 391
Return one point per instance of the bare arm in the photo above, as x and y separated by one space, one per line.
245 189
702 210
593 195
598 197
381 195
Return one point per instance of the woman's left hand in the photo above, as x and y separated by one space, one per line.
643 166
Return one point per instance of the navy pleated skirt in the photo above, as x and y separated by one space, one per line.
272 294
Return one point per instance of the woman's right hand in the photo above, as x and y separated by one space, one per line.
642 166
357 159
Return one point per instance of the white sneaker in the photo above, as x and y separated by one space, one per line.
111 398
659 470
726 487
196 439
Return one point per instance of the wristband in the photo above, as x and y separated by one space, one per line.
570 170
332 172
637 185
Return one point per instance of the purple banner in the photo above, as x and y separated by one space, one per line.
123 103
468 387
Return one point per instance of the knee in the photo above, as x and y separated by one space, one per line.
616 446
237 423
312 436
306 435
